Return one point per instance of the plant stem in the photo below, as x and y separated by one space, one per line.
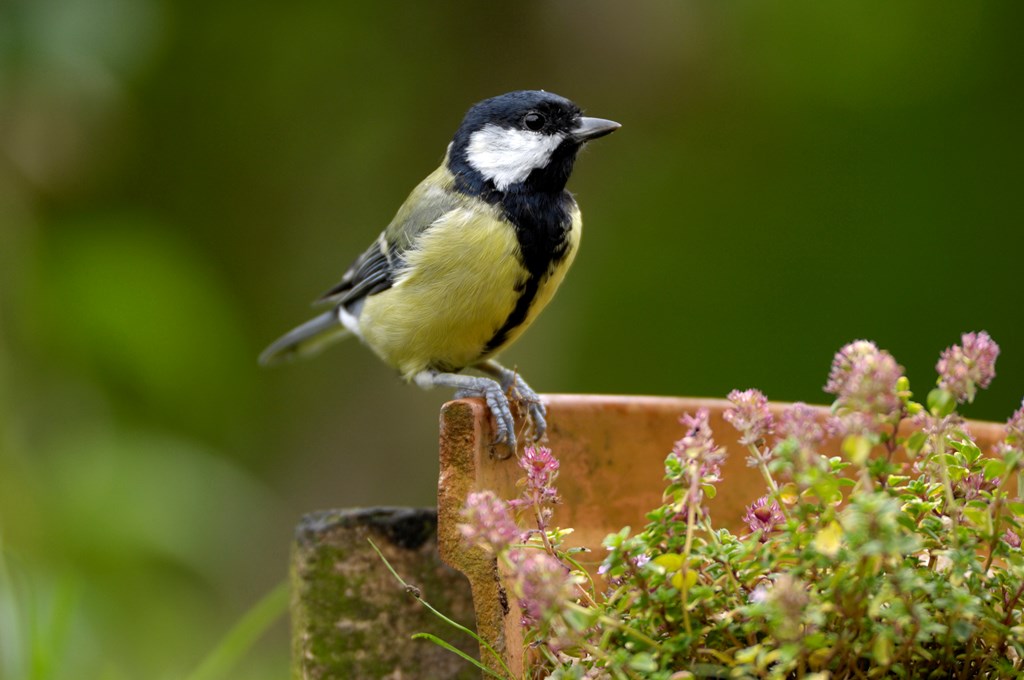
691 520
762 465
632 632
412 590
994 539
953 508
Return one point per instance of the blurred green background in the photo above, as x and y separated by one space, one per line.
179 179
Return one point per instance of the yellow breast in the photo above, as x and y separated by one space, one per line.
460 282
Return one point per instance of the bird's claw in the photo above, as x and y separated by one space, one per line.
507 388
494 396
524 396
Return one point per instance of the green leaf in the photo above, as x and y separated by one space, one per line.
829 491
957 472
994 467
882 649
837 464
979 517
669 561
678 581
616 539
857 448
941 403
579 619
907 522
829 539
643 662
970 451
916 441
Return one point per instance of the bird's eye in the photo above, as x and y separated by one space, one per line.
533 121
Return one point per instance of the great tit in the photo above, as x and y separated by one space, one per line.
470 259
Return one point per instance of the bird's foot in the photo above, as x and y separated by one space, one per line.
522 395
499 393
494 396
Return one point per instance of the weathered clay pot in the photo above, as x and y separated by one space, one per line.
612 452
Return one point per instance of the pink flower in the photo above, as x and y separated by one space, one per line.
696 453
759 594
763 515
966 367
487 522
539 490
971 486
800 422
852 423
863 378
1011 538
540 583
750 415
540 465
697 444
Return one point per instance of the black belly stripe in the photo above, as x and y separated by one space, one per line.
516 317
540 211
542 223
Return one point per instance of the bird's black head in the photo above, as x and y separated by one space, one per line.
525 140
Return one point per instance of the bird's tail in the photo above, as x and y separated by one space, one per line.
307 339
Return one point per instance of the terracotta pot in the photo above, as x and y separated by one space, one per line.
612 451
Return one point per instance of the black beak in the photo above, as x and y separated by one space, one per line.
592 128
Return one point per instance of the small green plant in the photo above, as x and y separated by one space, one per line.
901 558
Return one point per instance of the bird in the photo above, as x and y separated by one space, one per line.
470 259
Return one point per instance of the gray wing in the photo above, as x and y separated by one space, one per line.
374 271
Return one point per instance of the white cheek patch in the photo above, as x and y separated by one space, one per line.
507 156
